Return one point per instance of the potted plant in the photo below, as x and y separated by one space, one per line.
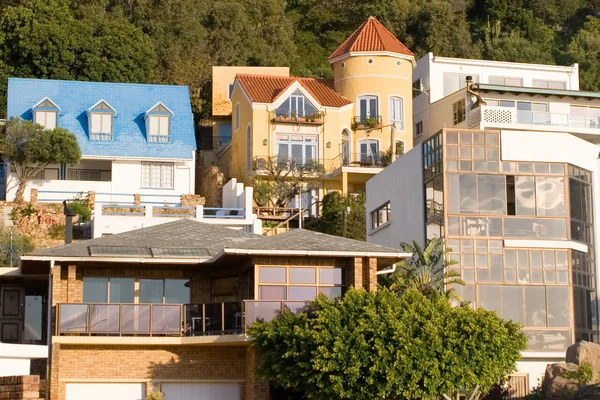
371 122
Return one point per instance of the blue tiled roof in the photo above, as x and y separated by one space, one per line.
130 101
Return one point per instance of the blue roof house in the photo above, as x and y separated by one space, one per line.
134 138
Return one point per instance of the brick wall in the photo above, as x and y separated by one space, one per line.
146 363
363 273
20 387
255 388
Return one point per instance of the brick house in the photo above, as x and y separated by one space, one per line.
166 307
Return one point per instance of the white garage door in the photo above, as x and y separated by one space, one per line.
103 391
201 391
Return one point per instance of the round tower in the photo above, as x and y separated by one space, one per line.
374 70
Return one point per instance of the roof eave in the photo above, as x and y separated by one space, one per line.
349 54
127 260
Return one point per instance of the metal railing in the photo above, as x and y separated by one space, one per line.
362 122
270 163
510 115
232 213
297 116
367 160
226 318
95 175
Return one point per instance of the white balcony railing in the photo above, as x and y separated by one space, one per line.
512 116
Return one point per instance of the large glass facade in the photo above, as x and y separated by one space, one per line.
490 200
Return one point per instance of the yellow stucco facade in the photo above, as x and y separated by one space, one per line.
353 142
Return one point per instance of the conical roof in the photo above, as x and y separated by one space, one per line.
371 36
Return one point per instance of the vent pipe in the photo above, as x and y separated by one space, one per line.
69 214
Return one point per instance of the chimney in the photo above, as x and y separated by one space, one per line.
69 214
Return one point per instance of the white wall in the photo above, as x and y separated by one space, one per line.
126 181
401 183
15 358
435 67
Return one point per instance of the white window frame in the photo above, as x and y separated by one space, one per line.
237 116
369 144
306 141
397 120
46 113
298 100
462 81
504 78
385 211
459 111
163 169
162 121
367 97
229 90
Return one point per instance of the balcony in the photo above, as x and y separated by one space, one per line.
292 116
367 123
102 137
180 320
275 164
493 115
361 160
159 138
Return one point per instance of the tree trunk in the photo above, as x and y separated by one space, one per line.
20 191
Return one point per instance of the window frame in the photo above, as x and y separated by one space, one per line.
236 116
397 123
459 111
367 98
307 141
376 221
230 90
418 128
417 87
287 284
136 285
46 112
150 164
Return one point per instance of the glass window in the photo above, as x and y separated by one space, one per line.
368 107
535 306
396 112
558 306
505 81
47 119
95 290
541 228
272 293
331 292
272 275
512 303
122 290
177 291
297 149
381 215
455 82
101 123
157 175
151 291
550 196
160 125
237 116
477 193
34 311
229 91
331 276
525 195
302 293
459 110
490 297
303 275
417 87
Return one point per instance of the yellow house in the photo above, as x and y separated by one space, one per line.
353 126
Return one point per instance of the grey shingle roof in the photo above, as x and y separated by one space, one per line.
192 239
302 239
181 234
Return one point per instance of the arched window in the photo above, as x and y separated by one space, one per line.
249 148
345 147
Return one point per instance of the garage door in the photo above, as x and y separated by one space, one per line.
201 391
103 391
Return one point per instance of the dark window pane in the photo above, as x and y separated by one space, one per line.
121 290
95 290
177 291
151 291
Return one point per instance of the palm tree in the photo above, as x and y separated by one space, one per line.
427 270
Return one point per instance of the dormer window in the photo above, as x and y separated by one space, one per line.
158 123
45 113
295 107
101 120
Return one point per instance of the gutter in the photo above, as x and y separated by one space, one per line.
312 253
137 260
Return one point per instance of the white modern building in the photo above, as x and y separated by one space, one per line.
507 175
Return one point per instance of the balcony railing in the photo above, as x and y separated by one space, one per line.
300 164
293 116
362 122
103 137
159 138
230 318
370 160
510 115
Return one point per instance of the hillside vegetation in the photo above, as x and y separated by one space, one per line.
177 41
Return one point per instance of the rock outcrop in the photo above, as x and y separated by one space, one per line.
561 381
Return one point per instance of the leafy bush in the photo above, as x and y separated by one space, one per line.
56 231
80 205
155 396
15 243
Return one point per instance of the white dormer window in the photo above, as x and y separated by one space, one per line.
45 113
101 120
158 123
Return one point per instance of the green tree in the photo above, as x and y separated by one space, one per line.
427 270
13 244
585 50
335 211
29 148
378 345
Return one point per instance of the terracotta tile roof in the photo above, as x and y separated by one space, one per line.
371 36
266 89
